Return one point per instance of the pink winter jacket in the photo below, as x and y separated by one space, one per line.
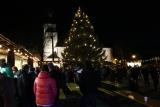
45 89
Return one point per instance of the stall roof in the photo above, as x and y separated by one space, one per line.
8 44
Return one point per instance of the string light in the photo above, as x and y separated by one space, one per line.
84 34
91 27
85 44
8 49
82 27
0 46
76 15
79 59
79 15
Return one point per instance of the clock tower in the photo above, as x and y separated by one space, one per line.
50 38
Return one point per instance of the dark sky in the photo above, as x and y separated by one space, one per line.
133 25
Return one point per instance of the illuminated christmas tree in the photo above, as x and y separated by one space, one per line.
82 44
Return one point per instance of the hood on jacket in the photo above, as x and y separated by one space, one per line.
43 74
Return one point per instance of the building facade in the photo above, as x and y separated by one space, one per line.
21 55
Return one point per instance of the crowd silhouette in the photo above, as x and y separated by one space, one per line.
40 86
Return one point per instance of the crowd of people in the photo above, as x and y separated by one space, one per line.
134 77
29 86
39 87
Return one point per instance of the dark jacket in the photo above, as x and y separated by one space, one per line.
7 92
88 81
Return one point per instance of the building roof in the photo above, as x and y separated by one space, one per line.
6 45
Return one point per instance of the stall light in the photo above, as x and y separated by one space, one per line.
36 59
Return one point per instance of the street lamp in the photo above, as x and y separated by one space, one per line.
133 56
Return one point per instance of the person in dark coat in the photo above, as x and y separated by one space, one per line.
9 92
25 87
88 83
155 76
145 73
32 76
55 73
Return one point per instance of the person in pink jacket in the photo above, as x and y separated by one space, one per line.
45 89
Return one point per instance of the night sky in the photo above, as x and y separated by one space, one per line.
135 26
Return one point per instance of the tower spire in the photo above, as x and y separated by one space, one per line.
50 16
